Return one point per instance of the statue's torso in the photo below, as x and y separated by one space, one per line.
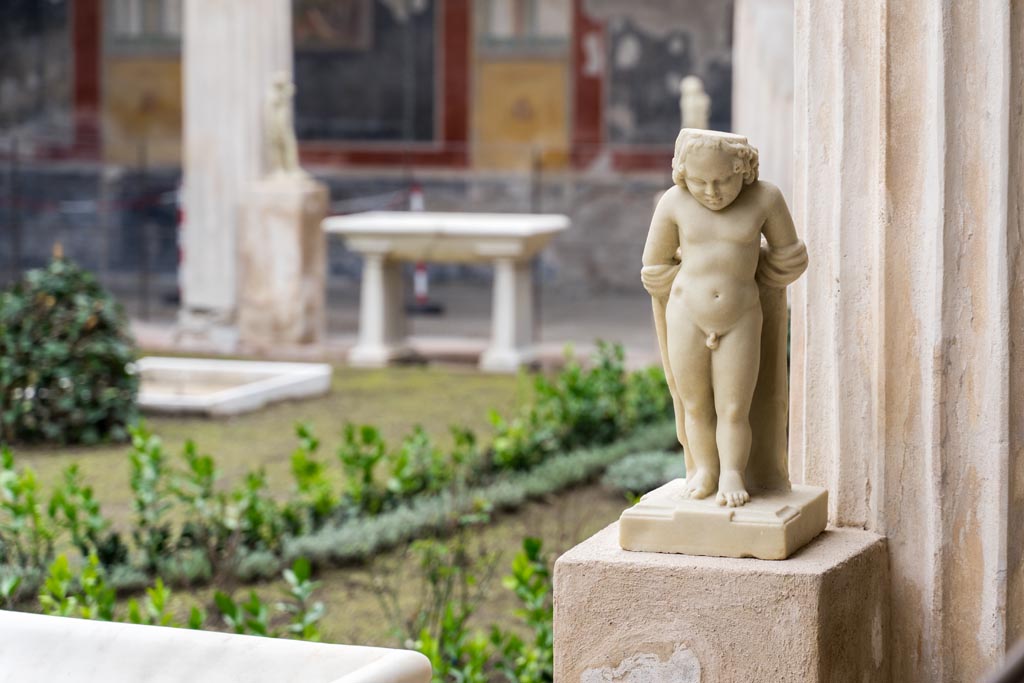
719 252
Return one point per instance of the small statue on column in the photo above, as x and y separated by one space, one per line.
282 147
694 103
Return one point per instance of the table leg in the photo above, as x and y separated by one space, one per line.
512 318
382 325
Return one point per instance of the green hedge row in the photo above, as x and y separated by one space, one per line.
187 529
363 538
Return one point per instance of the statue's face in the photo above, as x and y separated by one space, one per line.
711 177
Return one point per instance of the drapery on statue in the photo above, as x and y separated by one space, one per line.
282 148
719 254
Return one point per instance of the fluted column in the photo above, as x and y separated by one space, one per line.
762 84
908 331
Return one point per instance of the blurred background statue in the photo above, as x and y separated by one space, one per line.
282 147
694 103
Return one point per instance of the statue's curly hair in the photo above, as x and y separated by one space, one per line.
690 139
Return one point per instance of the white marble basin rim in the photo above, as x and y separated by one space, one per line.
34 647
214 386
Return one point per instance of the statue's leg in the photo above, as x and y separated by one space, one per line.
690 360
734 367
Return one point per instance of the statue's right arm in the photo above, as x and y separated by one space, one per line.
660 260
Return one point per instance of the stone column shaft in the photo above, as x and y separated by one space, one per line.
762 85
230 50
907 358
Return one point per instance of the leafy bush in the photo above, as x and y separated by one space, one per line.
260 522
316 499
459 655
529 661
150 482
580 406
253 616
637 474
66 370
74 507
419 466
361 450
88 593
647 398
26 533
587 404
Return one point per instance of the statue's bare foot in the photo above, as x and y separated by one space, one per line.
700 485
731 490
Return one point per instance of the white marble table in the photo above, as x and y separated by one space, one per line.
53 649
385 238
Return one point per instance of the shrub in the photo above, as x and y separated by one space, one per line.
74 508
642 472
460 655
647 397
361 450
66 370
316 500
259 519
419 466
89 592
152 496
580 406
26 533
587 403
529 661
254 616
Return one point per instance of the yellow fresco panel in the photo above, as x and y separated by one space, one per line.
142 109
521 106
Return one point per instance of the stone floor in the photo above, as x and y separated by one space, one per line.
461 332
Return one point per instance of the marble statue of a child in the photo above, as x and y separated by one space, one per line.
720 251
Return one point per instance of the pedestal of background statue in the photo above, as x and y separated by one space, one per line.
772 526
283 262
821 615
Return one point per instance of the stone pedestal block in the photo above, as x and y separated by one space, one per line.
283 262
821 615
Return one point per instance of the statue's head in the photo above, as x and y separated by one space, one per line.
713 166
281 84
691 85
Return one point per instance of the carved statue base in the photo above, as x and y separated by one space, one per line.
772 526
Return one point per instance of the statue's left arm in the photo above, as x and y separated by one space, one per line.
660 259
784 258
660 266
